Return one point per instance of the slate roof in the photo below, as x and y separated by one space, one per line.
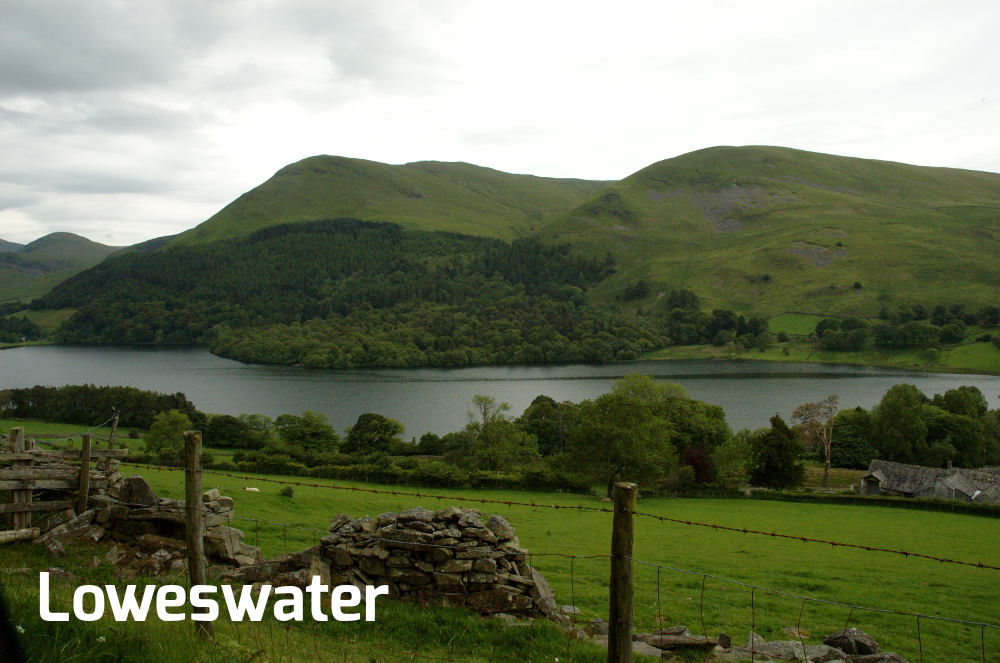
911 479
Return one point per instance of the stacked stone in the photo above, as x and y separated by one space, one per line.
449 556
130 511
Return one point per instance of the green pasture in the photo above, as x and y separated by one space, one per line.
687 589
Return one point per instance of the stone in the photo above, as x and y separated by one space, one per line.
372 565
881 657
113 555
404 538
79 526
596 627
409 576
211 495
338 556
365 525
449 582
455 566
483 578
785 650
419 514
569 609
399 562
542 593
484 566
339 521
449 533
852 641
448 514
150 543
470 518
437 555
824 654
492 601
223 542
479 533
136 490
386 518
502 529
226 503
421 526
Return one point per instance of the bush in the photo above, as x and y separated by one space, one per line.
287 491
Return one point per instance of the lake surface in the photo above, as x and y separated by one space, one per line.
436 400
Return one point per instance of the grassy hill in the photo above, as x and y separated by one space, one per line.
428 195
770 229
37 267
10 246
753 229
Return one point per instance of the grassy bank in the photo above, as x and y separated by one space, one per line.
973 357
399 632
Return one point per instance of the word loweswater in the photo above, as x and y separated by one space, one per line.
171 602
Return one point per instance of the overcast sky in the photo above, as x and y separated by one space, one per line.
123 121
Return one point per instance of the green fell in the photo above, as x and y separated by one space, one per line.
771 229
427 195
35 268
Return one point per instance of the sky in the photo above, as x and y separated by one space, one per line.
123 121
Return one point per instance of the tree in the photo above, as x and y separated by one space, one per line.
624 435
900 428
817 421
311 431
372 432
225 430
166 436
776 455
549 421
852 437
492 441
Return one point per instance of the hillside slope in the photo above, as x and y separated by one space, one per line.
428 195
769 229
38 266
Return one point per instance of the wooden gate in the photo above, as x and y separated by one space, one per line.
25 468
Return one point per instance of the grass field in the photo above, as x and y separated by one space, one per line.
869 579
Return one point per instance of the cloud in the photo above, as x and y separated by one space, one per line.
166 110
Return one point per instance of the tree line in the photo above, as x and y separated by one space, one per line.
346 293
912 327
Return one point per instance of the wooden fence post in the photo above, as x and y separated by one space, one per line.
81 499
620 606
22 519
195 523
114 429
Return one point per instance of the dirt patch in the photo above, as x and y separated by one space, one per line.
820 255
727 209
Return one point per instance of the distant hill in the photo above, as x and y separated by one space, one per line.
10 246
755 230
770 229
427 195
36 267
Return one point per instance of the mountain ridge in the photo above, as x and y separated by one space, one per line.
38 266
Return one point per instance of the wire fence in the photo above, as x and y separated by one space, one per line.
703 641
757 593
581 507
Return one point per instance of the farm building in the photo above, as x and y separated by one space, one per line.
951 483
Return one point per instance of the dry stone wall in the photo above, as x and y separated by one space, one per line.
451 557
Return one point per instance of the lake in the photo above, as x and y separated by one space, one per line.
436 399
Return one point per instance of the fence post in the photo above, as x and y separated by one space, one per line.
195 533
114 429
22 519
81 500
620 606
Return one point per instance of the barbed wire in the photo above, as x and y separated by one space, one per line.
580 507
